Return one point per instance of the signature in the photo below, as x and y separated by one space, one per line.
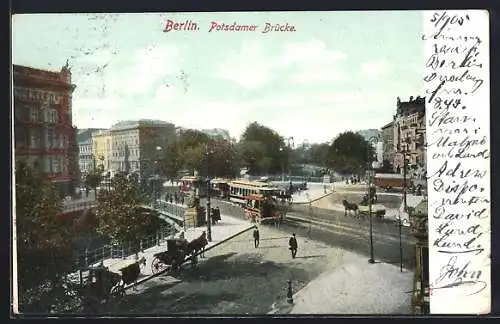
460 276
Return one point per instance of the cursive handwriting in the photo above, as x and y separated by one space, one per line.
457 147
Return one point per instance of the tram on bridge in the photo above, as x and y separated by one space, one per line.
239 190
193 183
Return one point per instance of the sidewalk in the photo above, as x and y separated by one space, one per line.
354 287
314 191
227 227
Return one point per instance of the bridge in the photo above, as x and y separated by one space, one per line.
83 203
171 213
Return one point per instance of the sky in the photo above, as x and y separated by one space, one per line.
337 71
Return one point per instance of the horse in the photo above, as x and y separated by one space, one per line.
350 206
197 245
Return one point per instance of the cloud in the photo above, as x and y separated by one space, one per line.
374 69
252 67
247 67
313 52
310 76
151 64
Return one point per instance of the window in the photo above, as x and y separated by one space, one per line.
53 116
34 113
51 138
33 141
56 165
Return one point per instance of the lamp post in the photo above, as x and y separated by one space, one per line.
370 170
208 153
156 176
282 167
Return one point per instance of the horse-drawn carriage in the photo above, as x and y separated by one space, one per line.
104 283
178 251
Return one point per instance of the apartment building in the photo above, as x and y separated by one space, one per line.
43 130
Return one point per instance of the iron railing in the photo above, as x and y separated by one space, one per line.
85 258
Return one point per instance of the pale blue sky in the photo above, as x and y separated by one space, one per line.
338 71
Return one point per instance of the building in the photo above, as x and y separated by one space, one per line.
136 145
409 134
217 133
43 130
102 149
86 159
387 136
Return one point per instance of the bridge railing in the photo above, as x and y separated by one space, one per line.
89 257
169 208
78 204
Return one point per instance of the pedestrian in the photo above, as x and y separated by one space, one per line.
293 245
256 237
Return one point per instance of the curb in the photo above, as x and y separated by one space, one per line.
189 259
313 200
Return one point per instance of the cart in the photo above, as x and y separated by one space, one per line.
173 257
129 272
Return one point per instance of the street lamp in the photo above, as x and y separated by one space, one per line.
156 177
209 153
282 167
371 140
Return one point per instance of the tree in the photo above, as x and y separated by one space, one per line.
43 241
121 217
262 149
223 160
171 161
94 178
350 153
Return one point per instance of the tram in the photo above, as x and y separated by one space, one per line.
240 189
194 183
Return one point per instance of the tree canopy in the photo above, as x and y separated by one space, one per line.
119 211
263 150
350 153
43 240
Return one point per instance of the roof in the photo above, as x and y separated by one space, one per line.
131 124
387 125
389 175
249 183
187 178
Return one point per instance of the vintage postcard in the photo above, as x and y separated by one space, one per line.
251 163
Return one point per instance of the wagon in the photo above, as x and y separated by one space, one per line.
377 210
173 257
129 272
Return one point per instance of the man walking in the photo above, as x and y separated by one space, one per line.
256 237
293 245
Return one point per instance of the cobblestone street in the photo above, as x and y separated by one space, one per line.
235 278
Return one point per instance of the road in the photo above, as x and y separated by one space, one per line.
234 278
333 228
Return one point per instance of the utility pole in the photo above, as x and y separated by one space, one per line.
209 214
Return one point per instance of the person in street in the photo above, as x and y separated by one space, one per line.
256 237
293 245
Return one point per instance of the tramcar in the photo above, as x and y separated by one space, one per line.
219 188
194 183
260 208
240 189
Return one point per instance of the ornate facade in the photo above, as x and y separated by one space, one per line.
43 130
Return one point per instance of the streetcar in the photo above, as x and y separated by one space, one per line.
195 184
260 208
240 189
219 188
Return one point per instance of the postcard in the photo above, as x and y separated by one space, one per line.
251 163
